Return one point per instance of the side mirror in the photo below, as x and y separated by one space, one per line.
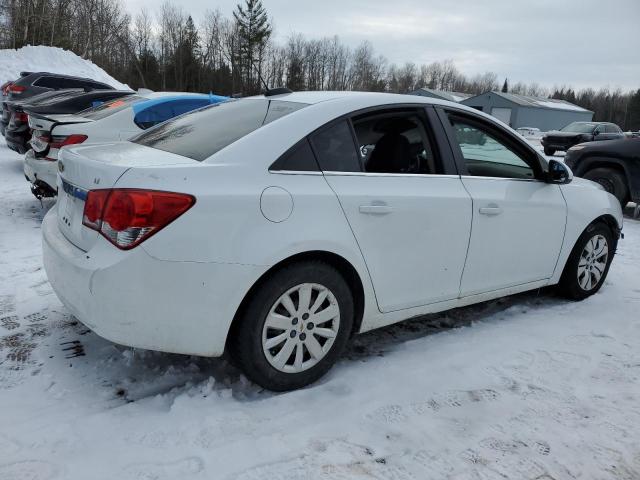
559 173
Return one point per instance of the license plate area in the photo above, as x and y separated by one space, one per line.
70 208
40 142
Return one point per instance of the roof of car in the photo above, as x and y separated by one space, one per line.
29 76
375 97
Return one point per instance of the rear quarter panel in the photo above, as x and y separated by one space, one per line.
227 224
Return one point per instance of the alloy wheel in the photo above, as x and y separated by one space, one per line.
300 328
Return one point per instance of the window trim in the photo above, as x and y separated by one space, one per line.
520 148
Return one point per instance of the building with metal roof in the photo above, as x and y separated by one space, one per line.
441 94
520 111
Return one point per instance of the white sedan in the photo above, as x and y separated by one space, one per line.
274 228
118 119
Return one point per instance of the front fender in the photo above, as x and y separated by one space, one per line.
586 202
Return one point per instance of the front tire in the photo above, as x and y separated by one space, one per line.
549 151
295 327
589 262
613 182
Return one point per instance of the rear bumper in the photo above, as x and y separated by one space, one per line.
40 170
133 299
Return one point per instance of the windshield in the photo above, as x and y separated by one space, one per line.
579 127
109 108
201 133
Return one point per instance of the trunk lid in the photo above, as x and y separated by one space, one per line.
43 125
93 167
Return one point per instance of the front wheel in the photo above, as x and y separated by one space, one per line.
589 262
295 327
549 151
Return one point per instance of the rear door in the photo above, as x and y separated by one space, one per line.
403 199
518 219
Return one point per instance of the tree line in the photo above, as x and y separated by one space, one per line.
167 50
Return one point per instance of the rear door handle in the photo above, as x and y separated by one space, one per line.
375 209
491 210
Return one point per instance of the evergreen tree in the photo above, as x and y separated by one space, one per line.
190 56
254 32
505 86
633 112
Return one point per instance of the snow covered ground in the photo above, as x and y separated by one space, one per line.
50 59
528 387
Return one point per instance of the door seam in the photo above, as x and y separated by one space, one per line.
355 238
466 257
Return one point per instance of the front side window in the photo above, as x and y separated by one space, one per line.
486 154
335 149
204 132
395 142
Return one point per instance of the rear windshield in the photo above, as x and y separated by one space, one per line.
579 127
60 96
200 134
109 108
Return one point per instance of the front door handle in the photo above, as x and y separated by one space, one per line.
491 210
375 209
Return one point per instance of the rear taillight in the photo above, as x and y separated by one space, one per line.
17 89
127 217
21 117
59 141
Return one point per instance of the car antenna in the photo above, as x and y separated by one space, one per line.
270 92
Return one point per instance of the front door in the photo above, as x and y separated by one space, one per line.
518 219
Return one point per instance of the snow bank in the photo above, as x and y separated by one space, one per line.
51 59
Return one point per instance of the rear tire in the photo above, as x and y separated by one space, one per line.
549 151
586 268
613 182
294 328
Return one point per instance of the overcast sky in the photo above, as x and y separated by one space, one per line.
553 42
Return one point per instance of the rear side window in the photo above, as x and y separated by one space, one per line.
205 132
395 142
299 158
335 149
